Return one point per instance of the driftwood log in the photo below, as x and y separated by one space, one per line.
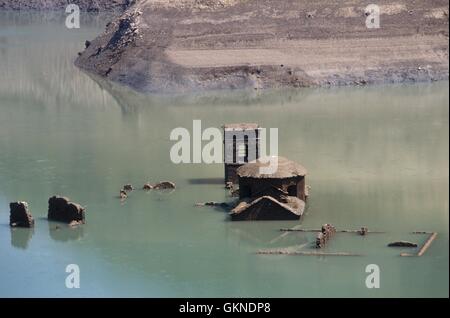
283 252
402 244
425 246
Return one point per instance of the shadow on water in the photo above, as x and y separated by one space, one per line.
21 237
63 233
211 181
267 233
132 102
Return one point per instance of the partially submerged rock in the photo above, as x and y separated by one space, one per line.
147 187
20 215
62 210
123 194
363 231
402 244
163 185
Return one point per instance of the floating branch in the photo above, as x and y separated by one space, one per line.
300 230
362 231
283 252
425 246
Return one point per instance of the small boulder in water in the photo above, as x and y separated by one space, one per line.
19 215
164 185
363 231
147 187
62 210
123 194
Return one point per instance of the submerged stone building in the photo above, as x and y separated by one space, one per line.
280 195
241 145
20 215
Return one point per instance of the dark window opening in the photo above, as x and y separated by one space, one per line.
246 148
245 192
292 190
234 149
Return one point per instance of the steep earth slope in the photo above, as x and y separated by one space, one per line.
184 45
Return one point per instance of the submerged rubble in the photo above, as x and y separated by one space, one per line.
162 185
20 215
325 235
62 210
213 203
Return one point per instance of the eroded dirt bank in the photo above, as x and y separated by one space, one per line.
184 45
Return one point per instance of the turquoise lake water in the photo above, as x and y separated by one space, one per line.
376 156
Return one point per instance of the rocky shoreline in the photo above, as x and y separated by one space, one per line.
183 46
165 46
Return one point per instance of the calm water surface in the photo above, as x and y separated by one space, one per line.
376 156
